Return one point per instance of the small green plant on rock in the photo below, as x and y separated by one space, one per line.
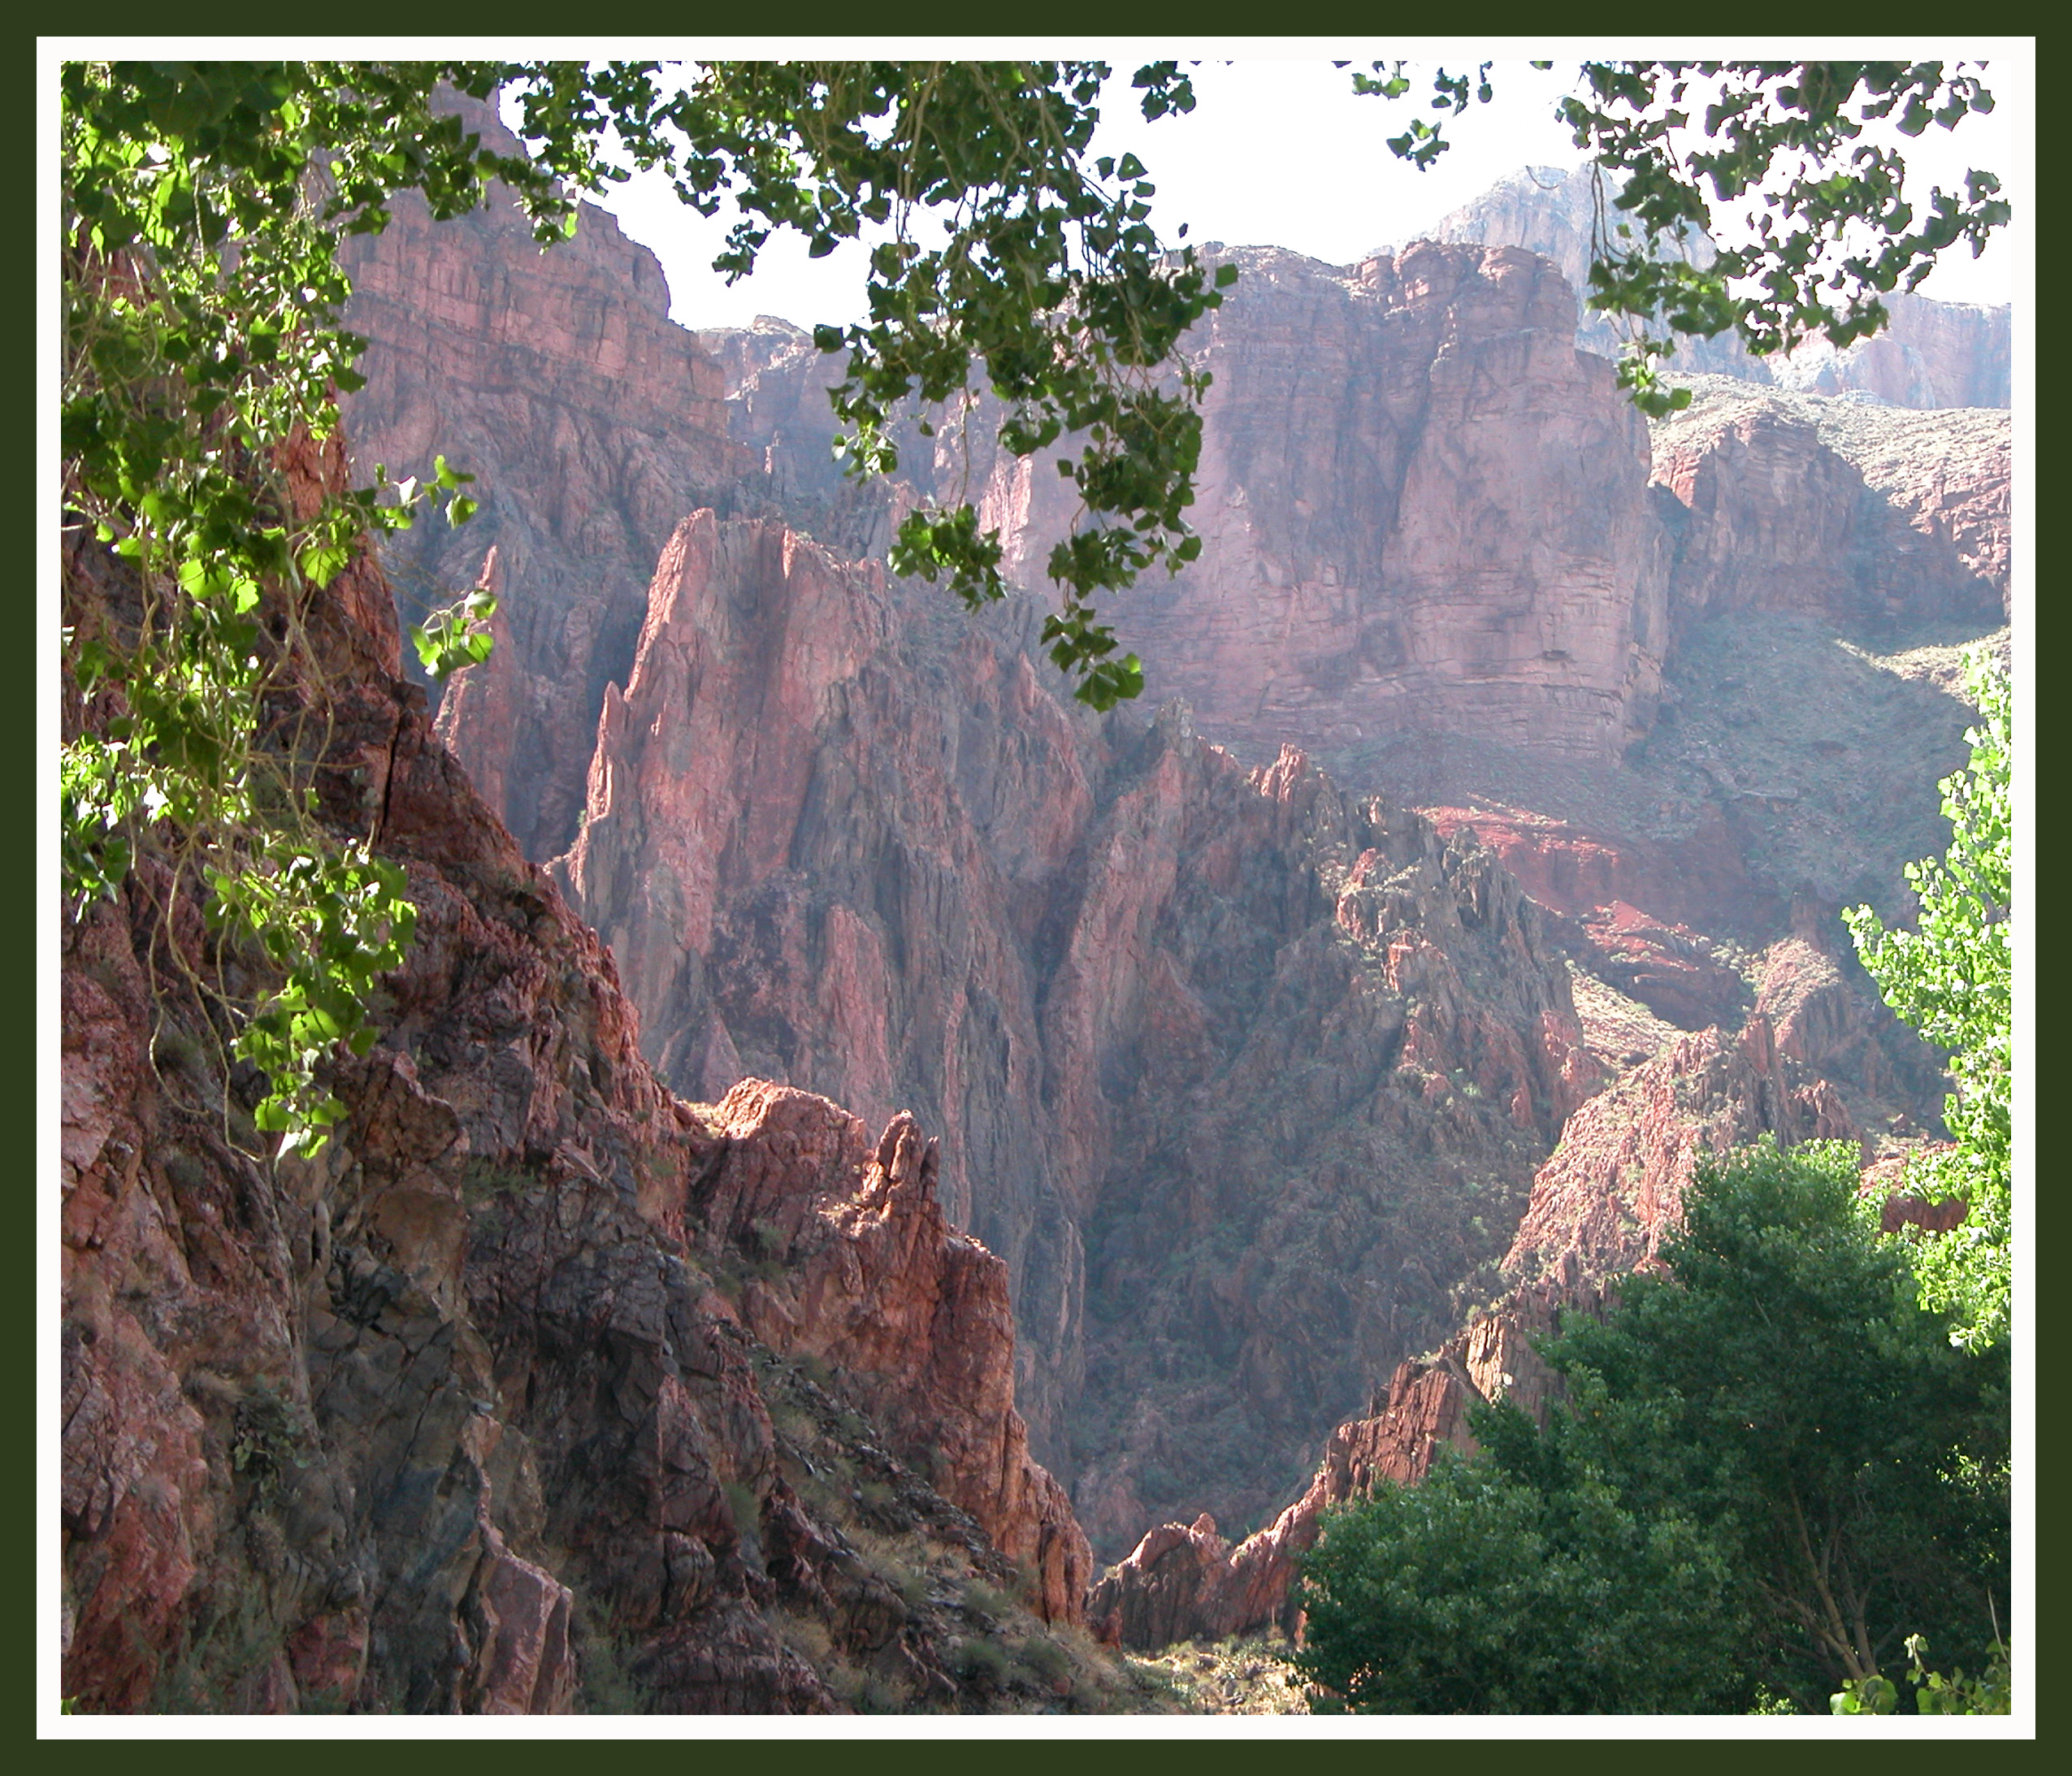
267 1438
980 1664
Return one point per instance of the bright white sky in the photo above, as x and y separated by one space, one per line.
1281 152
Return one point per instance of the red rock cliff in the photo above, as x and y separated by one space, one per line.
591 422
1237 1075
458 1416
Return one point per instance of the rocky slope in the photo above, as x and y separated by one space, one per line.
1186 1582
506 1402
1239 1077
838 837
1599 1208
1932 355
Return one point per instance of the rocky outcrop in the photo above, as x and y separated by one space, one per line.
1184 1582
1240 1078
1860 515
591 422
873 1283
1613 1189
1932 354
1600 1208
1202 1047
461 1415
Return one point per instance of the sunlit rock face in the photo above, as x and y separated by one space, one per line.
1155 1007
1239 1075
1420 509
591 422
1934 354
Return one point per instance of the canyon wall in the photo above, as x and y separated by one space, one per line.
1420 508
591 422
1932 354
487 1406
1238 1076
838 836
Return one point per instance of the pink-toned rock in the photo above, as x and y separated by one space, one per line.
832 838
1615 1186
1700 879
359 1430
1418 510
1187 1583
913 1314
592 423
1933 354
1857 514
1671 969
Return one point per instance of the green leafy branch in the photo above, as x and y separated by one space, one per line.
1934 1692
1049 289
201 206
1834 232
1951 978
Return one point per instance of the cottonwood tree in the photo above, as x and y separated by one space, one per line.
1772 1469
1951 977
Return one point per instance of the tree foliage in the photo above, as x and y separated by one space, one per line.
1834 232
1478 1592
1951 978
201 204
1772 1468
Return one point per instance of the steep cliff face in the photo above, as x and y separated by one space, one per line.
1862 515
1615 1184
462 1415
1238 1076
1600 1208
1418 509
1933 354
590 422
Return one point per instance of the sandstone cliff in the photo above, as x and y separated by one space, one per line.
463 1415
510 361
1932 355
1419 508
1864 515
1239 1077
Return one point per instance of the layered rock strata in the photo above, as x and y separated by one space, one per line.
1867 516
1933 354
1419 510
906 875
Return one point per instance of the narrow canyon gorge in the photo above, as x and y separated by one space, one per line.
866 1154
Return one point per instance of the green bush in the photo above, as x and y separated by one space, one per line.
1772 1466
